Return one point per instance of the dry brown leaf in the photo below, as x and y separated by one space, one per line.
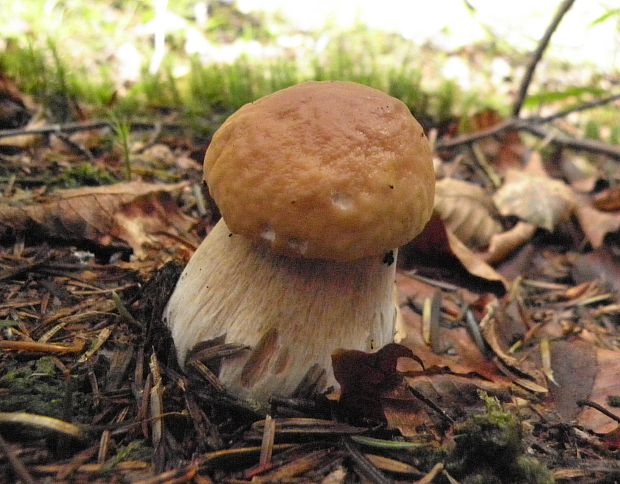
584 372
535 197
467 210
606 382
136 213
472 262
596 224
505 243
501 326
608 200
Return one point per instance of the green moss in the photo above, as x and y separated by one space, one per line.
531 470
38 387
489 449
135 450
613 400
85 174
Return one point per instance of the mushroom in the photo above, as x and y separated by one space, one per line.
318 185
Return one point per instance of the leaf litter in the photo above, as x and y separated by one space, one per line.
496 377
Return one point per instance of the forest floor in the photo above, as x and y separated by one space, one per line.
510 297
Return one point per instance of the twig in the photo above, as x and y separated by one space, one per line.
600 408
75 127
478 135
481 161
530 126
537 55
590 146
17 465
444 416
55 128
575 109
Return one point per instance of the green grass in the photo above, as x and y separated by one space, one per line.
206 92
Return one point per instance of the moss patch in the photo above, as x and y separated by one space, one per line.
489 449
38 387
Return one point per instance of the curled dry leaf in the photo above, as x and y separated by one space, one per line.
365 377
436 243
467 210
596 224
608 200
502 325
139 214
473 262
505 243
535 197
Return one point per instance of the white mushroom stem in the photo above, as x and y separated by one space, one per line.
292 312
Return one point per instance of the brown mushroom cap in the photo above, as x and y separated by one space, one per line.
329 170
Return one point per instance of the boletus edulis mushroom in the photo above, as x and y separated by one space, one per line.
318 185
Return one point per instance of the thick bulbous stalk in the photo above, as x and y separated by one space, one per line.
292 312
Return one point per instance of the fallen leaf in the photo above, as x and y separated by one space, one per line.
501 326
364 377
467 210
535 197
606 369
464 356
473 262
139 214
505 150
596 224
156 155
505 243
608 200
437 245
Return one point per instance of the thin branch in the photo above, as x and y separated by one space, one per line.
537 55
478 135
75 127
600 408
587 145
575 109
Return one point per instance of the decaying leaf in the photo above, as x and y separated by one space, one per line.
574 367
505 243
535 197
467 210
438 244
473 262
136 213
595 223
500 327
365 377
606 382
608 200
